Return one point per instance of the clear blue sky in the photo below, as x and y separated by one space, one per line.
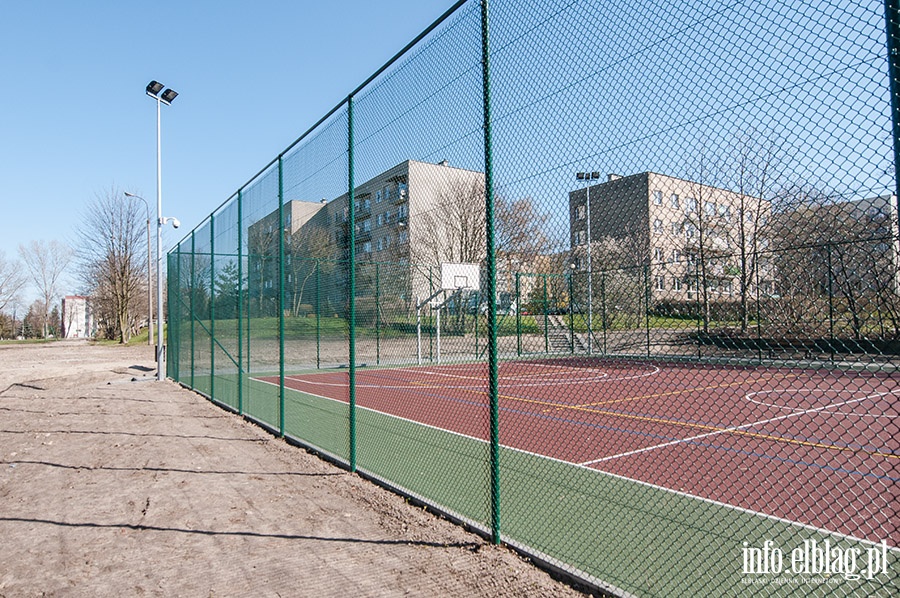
252 76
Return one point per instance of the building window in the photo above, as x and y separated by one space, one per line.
690 205
676 202
657 254
658 226
676 284
660 283
725 212
404 236
402 211
710 208
657 198
379 220
387 192
367 247
378 196
677 228
676 256
689 230
580 212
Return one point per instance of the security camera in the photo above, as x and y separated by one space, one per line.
175 222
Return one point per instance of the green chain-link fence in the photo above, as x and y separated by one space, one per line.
617 284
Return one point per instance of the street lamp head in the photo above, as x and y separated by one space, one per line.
169 95
127 194
154 87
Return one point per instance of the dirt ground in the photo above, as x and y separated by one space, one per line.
112 484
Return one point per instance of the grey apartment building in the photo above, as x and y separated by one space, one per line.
685 235
400 221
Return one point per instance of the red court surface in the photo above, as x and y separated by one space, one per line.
819 447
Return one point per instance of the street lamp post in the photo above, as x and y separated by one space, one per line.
166 97
587 177
149 270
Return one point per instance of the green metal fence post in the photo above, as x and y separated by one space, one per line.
240 305
571 314
212 306
546 319
604 315
518 319
647 304
281 296
180 311
759 343
192 307
830 302
892 21
318 318
352 264
493 372
377 316
477 308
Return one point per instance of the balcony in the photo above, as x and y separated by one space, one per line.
399 195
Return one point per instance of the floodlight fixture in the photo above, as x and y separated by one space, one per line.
168 96
154 87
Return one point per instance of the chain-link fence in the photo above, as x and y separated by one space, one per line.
617 284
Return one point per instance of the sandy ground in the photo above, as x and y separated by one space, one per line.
111 486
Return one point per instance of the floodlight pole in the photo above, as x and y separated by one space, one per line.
166 97
160 374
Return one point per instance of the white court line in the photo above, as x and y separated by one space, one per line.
717 432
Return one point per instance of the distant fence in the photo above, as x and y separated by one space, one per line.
678 376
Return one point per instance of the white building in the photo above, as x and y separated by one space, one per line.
77 320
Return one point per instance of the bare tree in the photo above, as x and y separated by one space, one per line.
46 264
113 265
306 252
454 229
11 281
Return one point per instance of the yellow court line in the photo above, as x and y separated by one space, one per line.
674 392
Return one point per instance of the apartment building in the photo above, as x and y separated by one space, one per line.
680 235
402 219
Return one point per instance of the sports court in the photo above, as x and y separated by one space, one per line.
758 438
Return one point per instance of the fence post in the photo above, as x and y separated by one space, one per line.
546 319
212 306
377 315
647 303
180 311
280 297
191 306
493 373
571 315
318 316
892 21
351 194
240 304
518 319
830 303
758 317
604 315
